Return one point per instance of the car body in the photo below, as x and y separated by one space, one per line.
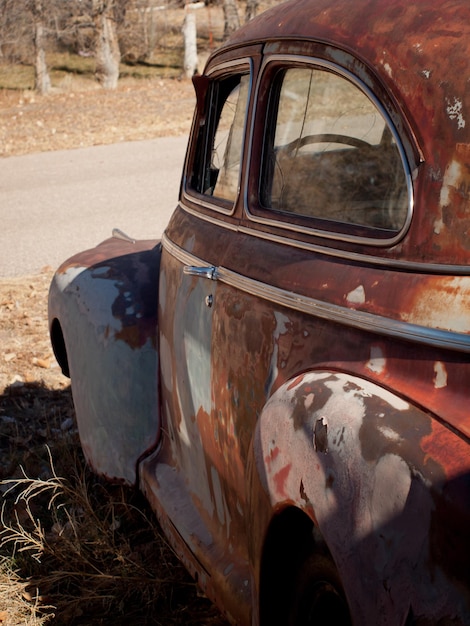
286 374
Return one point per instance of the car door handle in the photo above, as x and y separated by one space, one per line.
209 272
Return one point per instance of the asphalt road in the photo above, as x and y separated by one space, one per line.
55 204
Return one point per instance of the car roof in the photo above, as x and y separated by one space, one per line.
419 50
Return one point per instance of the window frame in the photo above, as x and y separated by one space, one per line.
204 131
264 96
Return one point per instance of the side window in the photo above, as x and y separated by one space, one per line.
330 153
220 144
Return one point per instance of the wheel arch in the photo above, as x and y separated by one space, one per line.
289 536
58 347
366 470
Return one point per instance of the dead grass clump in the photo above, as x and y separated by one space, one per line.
16 607
77 550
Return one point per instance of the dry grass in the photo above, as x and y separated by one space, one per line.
77 550
17 610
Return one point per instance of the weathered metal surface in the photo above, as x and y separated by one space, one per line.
326 375
105 300
189 480
387 485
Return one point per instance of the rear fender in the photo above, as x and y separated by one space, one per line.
387 485
105 301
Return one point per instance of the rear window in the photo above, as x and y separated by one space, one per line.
216 171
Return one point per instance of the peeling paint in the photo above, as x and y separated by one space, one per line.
377 362
440 375
373 488
356 296
450 182
444 306
320 436
454 111
111 350
281 328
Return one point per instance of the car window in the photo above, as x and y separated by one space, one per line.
330 153
220 144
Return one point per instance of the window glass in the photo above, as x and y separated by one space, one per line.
217 169
331 154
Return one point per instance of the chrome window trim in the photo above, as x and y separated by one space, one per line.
208 218
337 253
359 257
362 320
291 61
246 63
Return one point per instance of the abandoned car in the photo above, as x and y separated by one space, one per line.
286 374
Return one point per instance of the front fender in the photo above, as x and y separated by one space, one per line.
105 301
387 484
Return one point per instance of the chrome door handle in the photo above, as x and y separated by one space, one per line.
209 272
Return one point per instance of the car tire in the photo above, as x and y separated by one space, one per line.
318 598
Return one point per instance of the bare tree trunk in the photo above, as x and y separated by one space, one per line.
107 51
190 39
190 46
231 19
251 9
42 82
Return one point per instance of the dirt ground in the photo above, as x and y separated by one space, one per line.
26 365
79 114
35 398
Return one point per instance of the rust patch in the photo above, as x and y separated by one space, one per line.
280 479
320 436
272 456
295 382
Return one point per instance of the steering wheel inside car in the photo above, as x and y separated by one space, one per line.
300 142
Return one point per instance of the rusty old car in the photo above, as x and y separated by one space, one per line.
285 375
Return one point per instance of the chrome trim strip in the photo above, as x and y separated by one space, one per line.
181 255
208 218
328 234
200 201
361 320
348 317
230 65
392 264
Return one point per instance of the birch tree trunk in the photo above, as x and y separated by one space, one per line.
231 19
251 9
190 38
107 53
42 81
190 45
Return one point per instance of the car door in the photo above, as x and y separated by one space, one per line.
195 476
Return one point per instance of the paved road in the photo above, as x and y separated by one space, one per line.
54 204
